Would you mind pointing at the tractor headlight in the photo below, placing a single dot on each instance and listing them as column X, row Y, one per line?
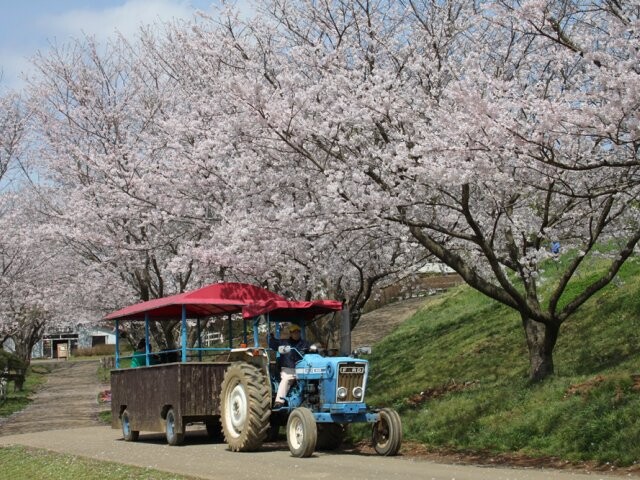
column 357, row 392
column 342, row 393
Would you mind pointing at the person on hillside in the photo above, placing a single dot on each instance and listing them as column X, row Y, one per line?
column 288, row 360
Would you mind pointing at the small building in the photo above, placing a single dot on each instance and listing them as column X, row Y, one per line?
column 93, row 336
column 61, row 343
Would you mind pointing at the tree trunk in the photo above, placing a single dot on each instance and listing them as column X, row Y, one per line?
column 541, row 340
column 23, row 352
column 23, row 347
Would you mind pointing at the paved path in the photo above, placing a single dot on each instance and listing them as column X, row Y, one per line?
column 69, row 399
column 199, row 458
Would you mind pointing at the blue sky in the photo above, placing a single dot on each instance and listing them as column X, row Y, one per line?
column 27, row 26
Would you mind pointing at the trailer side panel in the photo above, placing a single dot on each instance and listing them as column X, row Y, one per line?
column 191, row 389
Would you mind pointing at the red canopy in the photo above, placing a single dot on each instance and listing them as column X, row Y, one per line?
column 214, row 299
column 284, row 309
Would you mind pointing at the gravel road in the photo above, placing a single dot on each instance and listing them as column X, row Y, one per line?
column 67, row 400
column 63, row 418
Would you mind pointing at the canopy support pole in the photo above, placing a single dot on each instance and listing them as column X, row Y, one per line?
column 183, row 334
column 230, row 332
column 199, row 340
column 244, row 331
column 277, row 329
column 256, row 333
column 345, row 332
column 146, row 339
column 117, row 343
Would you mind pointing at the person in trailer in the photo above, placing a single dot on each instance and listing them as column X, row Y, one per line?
column 139, row 358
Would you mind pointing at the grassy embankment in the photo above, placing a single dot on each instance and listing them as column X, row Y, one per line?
column 457, row 373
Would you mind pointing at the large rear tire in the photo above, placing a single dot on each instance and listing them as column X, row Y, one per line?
column 302, row 433
column 245, row 407
column 128, row 434
column 387, row 433
column 174, row 436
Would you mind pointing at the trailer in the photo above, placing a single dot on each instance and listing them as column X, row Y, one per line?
column 184, row 386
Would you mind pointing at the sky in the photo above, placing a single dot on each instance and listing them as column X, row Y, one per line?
column 27, row 26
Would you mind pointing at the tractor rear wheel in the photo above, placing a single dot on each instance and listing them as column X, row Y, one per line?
column 245, row 407
column 302, row 433
column 387, row 433
column 330, row 435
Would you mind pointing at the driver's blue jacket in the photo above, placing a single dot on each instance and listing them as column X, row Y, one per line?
column 289, row 359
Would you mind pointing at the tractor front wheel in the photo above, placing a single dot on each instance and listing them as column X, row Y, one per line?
column 387, row 433
column 245, row 407
column 302, row 433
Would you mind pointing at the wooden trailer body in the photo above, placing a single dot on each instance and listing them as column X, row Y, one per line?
column 192, row 390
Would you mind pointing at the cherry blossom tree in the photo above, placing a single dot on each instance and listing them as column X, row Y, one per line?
column 314, row 147
column 12, row 137
column 12, row 132
column 262, row 227
column 97, row 110
column 486, row 131
column 38, row 275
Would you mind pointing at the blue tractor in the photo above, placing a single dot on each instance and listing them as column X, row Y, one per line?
column 328, row 393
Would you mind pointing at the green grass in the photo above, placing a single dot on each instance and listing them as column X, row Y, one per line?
column 588, row 411
column 104, row 375
column 105, row 417
column 16, row 401
column 21, row 463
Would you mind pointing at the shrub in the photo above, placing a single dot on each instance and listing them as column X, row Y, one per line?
column 11, row 361
column 97, row 351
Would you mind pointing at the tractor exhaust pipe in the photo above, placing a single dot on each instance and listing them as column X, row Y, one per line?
column 345, row 332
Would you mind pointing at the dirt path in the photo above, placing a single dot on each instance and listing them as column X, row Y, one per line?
column 67, row 400
column 376, row 325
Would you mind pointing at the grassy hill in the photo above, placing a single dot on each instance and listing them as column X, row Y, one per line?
column 457, row 373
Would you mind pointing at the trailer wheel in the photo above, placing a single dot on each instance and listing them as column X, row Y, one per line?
column 302, row 433
column 330, row 436
column 245, row 407
column 174, row 437
column 387, row 433
column 128, row 434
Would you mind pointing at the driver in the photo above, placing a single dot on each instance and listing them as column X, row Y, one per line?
column 288, row 360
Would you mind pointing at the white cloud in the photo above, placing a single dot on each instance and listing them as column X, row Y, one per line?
column 125, row 19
